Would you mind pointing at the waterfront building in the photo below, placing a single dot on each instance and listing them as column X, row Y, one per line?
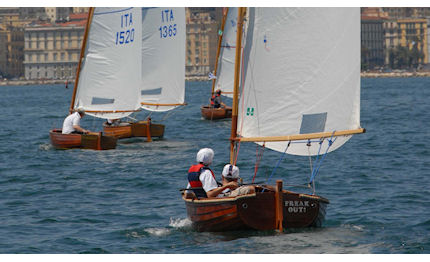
column 413, row 35
column 410, row 12
column 392, row 40
column 56, row 14
column 372, row 41
column 3, row 48
column 202, row 39
column 52, row 49
column 78, row 10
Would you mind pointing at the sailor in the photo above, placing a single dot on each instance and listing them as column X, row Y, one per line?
column 71, row 124
column 202, row 179
column 230, row 174
column 216, row 99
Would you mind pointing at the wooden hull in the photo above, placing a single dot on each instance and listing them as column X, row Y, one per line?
column 211, row 113
column 85, row 141
column 121, row 131
column 255, row 211
column 134, row 129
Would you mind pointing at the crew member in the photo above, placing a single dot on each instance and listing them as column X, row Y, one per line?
column 71, row 124
column 201, row 179
column 216, row 99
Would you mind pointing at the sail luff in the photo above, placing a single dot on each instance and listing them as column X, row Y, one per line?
column 235, row 105
column 224, row 18
column 81, row 56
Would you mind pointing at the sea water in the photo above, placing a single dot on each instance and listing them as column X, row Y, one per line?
column 127, row 200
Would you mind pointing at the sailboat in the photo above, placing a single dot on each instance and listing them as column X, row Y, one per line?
column 161, row 85
column 300, row 96
column 222, row 78
column 107, row 78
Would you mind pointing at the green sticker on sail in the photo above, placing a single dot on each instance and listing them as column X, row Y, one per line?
column 220, row 32
column 250, row 111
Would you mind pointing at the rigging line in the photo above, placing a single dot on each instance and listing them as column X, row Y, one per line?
column 309, row 152
column 168, row 114
column 279, row 161
column 259, row 156
column 317, row 158
column 316, row 170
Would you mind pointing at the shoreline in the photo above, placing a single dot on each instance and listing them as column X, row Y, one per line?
column 205, row 78
column 394, row 74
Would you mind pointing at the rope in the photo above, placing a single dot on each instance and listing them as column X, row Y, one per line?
column 279, row 161
column 317, row 167
column 258, row 159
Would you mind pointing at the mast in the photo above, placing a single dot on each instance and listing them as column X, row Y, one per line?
column 235, row 106
column 78, row 70
column 219, row 48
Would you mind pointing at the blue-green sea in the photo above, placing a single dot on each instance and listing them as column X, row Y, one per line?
column 127, row 200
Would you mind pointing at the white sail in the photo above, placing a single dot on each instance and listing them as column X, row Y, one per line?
column 225, row 70
column 163, row 58
column 110, row 70
column 302, row 75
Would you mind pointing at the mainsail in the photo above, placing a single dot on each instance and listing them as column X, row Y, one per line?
column 162, row 85
column 225, row 71
column 302, row 76
column 110, row 71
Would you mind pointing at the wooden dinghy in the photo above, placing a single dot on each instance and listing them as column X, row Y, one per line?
column 95, row 141
column 211, row 113
column 134, row 129
column 257, row 211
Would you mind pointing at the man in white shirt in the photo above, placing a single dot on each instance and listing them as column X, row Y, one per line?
column 202, row 178
column 71, row 124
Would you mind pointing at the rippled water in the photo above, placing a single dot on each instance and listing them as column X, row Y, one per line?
column 127, row 200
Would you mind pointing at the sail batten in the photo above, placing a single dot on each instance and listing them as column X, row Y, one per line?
column 301, row 76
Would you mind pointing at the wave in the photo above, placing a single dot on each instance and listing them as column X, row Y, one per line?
column 180, row 223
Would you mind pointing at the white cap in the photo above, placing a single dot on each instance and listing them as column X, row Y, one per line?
column 80, row 109
column 230, row 171
column 205, row 156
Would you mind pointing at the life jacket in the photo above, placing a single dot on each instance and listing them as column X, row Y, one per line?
column 213, row 99
column 194, row 179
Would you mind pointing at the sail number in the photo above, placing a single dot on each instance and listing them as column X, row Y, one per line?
column 126, row 35
column 167, row 27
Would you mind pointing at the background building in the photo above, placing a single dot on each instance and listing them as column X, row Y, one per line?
column 57, row 14
column 52, row 50
column 394, row 37
column 372, row 41
column 202, row 40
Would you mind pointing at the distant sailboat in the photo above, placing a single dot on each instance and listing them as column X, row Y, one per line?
column 300, row 96
column 161, row 69
column 107, row 79
column 222, row 78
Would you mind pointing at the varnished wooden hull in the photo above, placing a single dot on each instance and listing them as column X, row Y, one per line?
column 211, row 113
column 255, row 211
column 85, row 141
column 121, row 131
column 134, row 129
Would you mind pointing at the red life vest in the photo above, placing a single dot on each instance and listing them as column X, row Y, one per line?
column 213, row 99
column 194, row 179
